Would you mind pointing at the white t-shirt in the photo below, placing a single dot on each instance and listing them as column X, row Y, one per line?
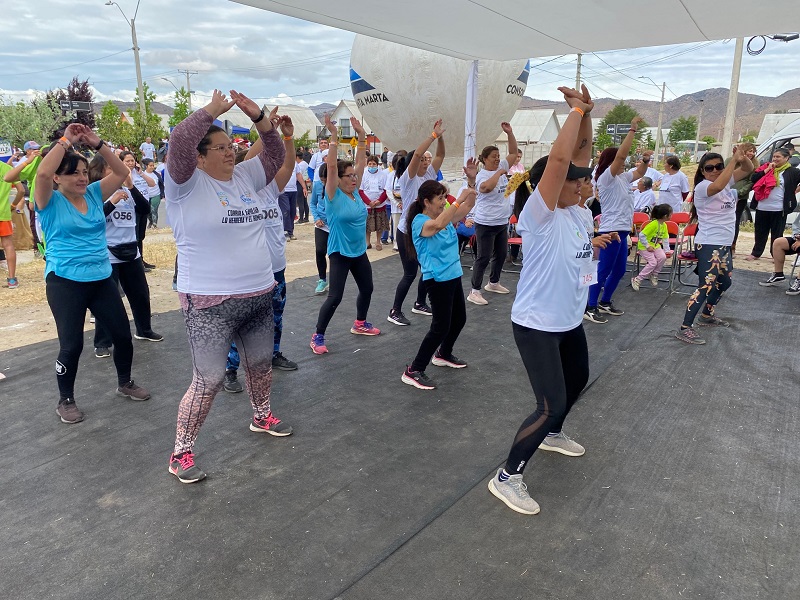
column 273, row 226
column 316, row 162
column 492, row 208
column 716, row 215
column 372, row 185
column 642, row 200
column 673, row 186
column 557, row 250
column 121, row 225
column 148, row 150
column 773, row 202
column 616, row 201
column 218, row 229
column 291, row 185
column 392, row 188
column 656, row 176
column 409, row 188
column 140, row 184
column 303, row 170
column 153, row 190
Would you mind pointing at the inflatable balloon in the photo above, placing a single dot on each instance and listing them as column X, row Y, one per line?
column 401, row 91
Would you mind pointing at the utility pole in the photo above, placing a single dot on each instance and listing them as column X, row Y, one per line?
column 132, row 23
column 733, row 97
column 697, row 135
column 188, row 85
column 578, row 74
column 660, row 121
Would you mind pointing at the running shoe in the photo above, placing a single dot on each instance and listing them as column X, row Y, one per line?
column 447, row 361
column 150, row 336
column 476, row 297
column 775, row 279
column 496, row 288
column 102, row 352
column 398, row 318
column 271, row 425
column 794, row 289
column 364, row 328
column 133, row 391
column 147, row 265
column 609, row 308
column 422, row 309
column 514, row 494
column 322, row 287
column 418, row 379
column 12, row 283
column 280, row 362
column 594, row 315
column 712, row 321
column 232, row 385
column 174, row 286
column 654, row 280
column 635, row 283
column 318, row 344
column 69, row 413
column 562, row 444
column 183, row 467
column 689, row 335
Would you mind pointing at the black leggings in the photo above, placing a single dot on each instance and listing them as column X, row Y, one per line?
column 302, row 205
column 770, row 224
column 492, row 244
column 410, row 269
column 69, row 301
column 340, row 267
column 130, row 276
column 714, row 267
column 321, row 252
column 449, row 318
column 558, row 368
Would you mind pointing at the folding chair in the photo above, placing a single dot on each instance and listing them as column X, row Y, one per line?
column 681, row 218
column 672, row 232
column 640, row 219
column 683, row 259
column 514, row 241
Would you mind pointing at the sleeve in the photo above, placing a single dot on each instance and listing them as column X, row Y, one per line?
column 271, row 156
column 605, row 179
column 535, row 216
column 482, row 176
column 141, row 204
column 182, row 157
column 665, row 240
column 646, row 233
column 28, row 173
column 684, row 184
column 701, row 192
column 504, row 165
column 417, row 224
column 108, row 208
column 626, row 176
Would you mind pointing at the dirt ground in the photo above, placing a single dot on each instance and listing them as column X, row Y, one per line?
column 25, row 317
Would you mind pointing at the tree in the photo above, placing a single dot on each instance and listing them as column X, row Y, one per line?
column 683, row 128
column 749, row 136
column 710, row 140
column 181, row 111
column 603, row 141
column 20, row 122
column 621, row 114
column 304, row 141
column 108, row 122
column 147, row 124
column 79, row 91
column 649, row 141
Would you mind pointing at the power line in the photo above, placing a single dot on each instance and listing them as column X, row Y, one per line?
column 288, row 95
column 86, row 62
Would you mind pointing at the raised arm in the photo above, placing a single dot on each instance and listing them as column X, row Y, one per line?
column 332, row 182
column 361, row 151
column 272, row 152
column 724, row 178
column 618, row 166
column 119, row 172
column 582, row 153
column 47, row 169
column 555, row 173
column 454, row 213
column 12, row 176
column 745, row 167
column 286, row 172
column 512, row 142
column 436, row 163
column 438, row 158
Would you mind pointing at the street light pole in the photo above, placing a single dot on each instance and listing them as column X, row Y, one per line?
column 660, row 116
column 697, row 135
column 132, row 23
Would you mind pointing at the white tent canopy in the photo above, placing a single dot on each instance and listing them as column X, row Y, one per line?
column 508, row 29
column 533, row 126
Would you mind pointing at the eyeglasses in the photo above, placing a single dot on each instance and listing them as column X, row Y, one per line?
column 351, row 175
column 222, row 148
column 712, row 168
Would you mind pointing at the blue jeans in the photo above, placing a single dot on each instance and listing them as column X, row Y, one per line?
column 613, row 259
column 278, row 304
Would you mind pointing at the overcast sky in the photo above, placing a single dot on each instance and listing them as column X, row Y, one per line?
column 44, row 43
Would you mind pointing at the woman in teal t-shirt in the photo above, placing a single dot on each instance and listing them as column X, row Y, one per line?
column 78, row 270
column 434, row 241
column 347, row 246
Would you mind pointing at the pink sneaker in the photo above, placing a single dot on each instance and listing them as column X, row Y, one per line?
column 318, row 344
column 364, row 328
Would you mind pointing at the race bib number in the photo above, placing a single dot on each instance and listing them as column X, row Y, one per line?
column 588, row 273
column 123, row 218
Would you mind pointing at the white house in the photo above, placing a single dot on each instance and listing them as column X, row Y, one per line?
column 303, row 118
column 343, row 112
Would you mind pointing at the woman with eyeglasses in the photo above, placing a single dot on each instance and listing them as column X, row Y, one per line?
column 347, row 245
column 715, row 203
column 214, row 206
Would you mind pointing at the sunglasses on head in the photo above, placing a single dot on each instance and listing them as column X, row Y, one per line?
column 711, row 168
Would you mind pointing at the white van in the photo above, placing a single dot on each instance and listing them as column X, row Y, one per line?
column 788, row 135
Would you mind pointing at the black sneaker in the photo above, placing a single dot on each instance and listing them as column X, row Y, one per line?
column 775, row 279
column 102, row 352
column 422, row 309
column 69, row 412
column 593, row 315
column 147, row 265
column 231, row 384
column 398, row 318
column 271, row 425
column 150, row 336
column 447, row 361
column 794, row 289
column 418, row 379
column 183, row 467
column 280, row 362
column 133, row 391
column 609, row 308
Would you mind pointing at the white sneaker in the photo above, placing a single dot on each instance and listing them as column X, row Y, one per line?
column 496, row 288
column 562, row 444
column 476, row 298
column 654, row 280
column 514, row 494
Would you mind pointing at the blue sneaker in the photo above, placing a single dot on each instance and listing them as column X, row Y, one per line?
column 322, row 287
column 13, row 283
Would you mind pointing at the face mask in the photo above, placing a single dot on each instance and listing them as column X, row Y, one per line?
column 372, row 169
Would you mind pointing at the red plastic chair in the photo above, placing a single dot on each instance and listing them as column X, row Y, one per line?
column 683, row 258
column 681, row 218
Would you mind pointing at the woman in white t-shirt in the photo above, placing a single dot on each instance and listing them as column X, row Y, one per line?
column 771, row 212
column 372, row 183
column 674, row 185
column 392, row 187
column 412, row 171
column 715, row 203
column 213, row 207
column 492, row 210
column 616, row 206
column 551, row 296
column 143, row 182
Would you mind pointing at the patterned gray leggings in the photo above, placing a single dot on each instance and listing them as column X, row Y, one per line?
column 246, row 321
